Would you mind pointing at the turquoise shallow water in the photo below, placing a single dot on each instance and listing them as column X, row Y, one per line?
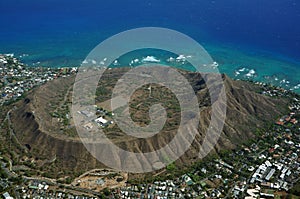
column 258, row 66
column 250, row 64
column 244, row 64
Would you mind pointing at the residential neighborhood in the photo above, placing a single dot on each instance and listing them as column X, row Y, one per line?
column 268, row 168
column 19, row 79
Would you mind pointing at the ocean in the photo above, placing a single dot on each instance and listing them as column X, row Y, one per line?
column 258, row 39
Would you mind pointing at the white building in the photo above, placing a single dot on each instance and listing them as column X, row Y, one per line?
column 101, row 120
column 7, row 196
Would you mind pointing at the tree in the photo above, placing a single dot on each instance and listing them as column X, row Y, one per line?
column 296, row 189
column 106, row 192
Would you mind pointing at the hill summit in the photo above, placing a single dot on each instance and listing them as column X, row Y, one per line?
column 43, row 124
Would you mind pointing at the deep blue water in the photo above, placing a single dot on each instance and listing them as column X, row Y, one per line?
column 236, row 33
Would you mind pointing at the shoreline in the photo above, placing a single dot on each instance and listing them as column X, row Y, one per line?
column 244, row 73
column 265, row 66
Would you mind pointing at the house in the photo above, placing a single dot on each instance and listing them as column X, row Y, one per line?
column 251, row 168
column 267, row 195
column 7, row 196
column 203, row 170
column 87, row 113
column 268, row 163
column 294, row 121
column 100, row 181
column 287, row 118
column 101, row 120
column 266, row 184
column 280, row 123
column 254, row 193
column 187, row 179
column 270, row 174
column 88, row 126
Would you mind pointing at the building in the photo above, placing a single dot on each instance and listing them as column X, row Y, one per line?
column 87, row 113
column 7, row 196
column 101, row 120
column 270, row 174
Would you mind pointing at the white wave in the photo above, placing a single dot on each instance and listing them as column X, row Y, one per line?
column 297, row 87
column 181, row 58
column 242, row 69
column 134, row 61
column 150, row 59
column 23, row 55
column 237, row 73
column 103, row 61
column 214, row 64
column 251, row 73
column 116, row 62
column 283, row 81
column 171, row 59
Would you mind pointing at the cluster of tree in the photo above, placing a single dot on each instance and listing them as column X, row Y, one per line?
column 3, row 174
column 296, row 189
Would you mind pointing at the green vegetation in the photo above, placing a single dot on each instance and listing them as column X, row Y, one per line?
column 296, row 189
column 171, row 167
column 3, row 174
